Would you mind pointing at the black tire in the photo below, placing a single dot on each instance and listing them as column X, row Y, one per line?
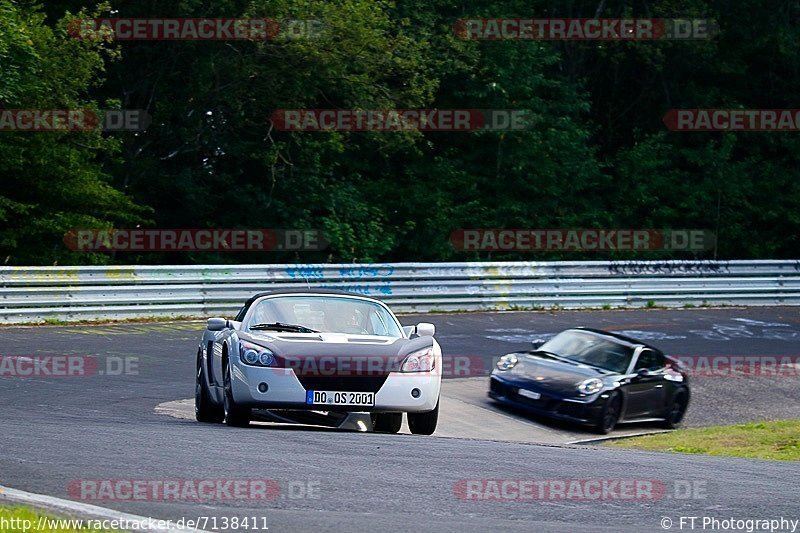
column 424, row 423
column 610, row 416
column 204, row 409
column 235, row 415
column 387, row 422
column 677, row 408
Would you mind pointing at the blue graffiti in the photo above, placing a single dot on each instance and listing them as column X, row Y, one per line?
column 366, row 290
column 367, row 272
column 305, row 272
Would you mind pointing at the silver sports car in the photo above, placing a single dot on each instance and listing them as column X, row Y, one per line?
column 319, row 350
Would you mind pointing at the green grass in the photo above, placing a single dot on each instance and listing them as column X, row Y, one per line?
column 25, row 519
column 779, row 440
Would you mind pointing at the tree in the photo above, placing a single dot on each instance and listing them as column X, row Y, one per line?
column 52, row 181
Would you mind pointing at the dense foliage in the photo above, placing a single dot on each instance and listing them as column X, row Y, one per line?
column 598, row 155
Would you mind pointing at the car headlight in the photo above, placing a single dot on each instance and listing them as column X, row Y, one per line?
column 419, row 361
column 678, row 378
column 507, row 362
column 590, row 386
column 252, row 354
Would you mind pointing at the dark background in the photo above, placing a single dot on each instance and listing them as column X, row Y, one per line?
column 598, row 154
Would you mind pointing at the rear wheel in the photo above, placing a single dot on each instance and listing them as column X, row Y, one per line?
column 204, row 408
column 424, row 423
column 677, row 409
column 387, row 422
column 610, row 415
column 235, row 415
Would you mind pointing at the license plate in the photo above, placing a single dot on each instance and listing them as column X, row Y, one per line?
column 529, row 394
column 319, row 397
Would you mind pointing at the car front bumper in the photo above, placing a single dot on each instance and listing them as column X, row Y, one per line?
column 286, row 391
column 579, row 410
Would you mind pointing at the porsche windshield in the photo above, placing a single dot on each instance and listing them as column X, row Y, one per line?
column 325, row 314
column 591, row 350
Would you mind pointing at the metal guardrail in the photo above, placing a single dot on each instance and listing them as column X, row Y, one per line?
column 31, row 294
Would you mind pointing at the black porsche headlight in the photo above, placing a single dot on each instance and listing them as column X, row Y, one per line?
column 590, row 386
column 254, row 355
column 507, row 362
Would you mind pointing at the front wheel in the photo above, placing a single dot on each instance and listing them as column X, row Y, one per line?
column 235, row 415
column 424, row 423
column 204, row 409
column 610, row 415
column 387, row 422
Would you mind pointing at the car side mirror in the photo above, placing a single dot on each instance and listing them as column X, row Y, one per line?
column 425, row 329
column 537, row 344
column 643, row 373
column 216, row 324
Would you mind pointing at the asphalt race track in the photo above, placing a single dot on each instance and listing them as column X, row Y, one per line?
column 59, row 430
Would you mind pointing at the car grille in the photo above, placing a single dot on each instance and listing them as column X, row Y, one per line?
column 346, row 384
column 545, row 402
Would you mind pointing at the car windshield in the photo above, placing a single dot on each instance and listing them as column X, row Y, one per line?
column 325, row 314
column 591, row 350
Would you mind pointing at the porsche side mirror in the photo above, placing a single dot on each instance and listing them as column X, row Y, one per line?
column 216, row 324
column 537, row 344
column 425, row 329
column 643, row 373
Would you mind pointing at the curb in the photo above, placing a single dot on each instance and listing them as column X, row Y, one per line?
column 59, row 506
column 595, row 440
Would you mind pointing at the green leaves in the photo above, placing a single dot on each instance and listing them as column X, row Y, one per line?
column 51, row 182
column 596, row 155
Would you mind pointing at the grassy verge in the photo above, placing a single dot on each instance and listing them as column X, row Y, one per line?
column 25, row 520
column 778, row 440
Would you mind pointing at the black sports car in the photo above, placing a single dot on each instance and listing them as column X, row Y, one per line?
column 595, row 378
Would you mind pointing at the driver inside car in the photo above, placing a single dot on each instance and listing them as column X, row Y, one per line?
column 348, row 323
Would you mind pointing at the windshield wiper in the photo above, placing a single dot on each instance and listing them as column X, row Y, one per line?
column 555, row 356
column 279, row 326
